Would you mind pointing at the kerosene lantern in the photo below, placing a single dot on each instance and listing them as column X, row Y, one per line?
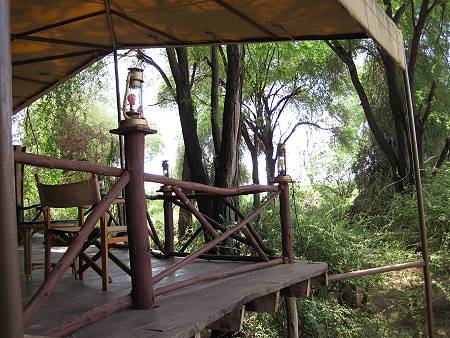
column 165, row 167
column 281, row 155
column 281, row 165
column 132, row 108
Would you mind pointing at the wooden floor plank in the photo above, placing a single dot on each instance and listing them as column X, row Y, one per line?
column 180, row 313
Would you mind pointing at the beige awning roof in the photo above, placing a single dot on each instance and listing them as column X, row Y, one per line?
column 54, row 40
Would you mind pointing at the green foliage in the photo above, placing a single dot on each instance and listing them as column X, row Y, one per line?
column 69, row 122
column 323, row 318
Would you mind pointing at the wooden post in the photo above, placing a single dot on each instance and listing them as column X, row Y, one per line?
column 10, row 293
column 292, row 317
column 288, row 252
column 285, row 217
column 168, row 223
column 18, row 176
column 420, row 207
column 136, row 215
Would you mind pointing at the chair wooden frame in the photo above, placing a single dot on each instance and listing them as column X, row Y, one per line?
column 80, row 194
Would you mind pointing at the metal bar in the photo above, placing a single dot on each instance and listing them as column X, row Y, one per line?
column 112, row 33
column 73, row 324
column 26, row 79
column 136, row 208
column 155, row 236
column 57, row 163
column 214, row 242
column 216, row 275
column 144, row 25
column 373, row 271
column 418, row 183
column 66, row 260
column 246, row 189
column 195, row 212
column 63, row 42
column 286, row 224
column 245, row 18
column 95, row 52
column 230, row 41
column 252, row 230
column 42, row 92
column 10, row 292
column 58, row 24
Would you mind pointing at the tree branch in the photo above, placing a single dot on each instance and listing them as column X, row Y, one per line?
column 397, row 16
column 149, row 60
column 385, row 147
column 426, row 110
column 194, row 70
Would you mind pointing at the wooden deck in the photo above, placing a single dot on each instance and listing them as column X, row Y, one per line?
column 180, row 313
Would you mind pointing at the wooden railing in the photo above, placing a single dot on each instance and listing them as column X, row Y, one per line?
column 174, row 195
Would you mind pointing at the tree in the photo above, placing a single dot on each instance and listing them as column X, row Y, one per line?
column 395, row 144
column 283, row 78
column 68, row 123
column 225, row 140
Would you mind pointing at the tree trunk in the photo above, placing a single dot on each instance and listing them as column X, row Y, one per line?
column 253, row 147
column 228, row 161
column 270, row 167
column 215, row 102
column 184, row 217
column 398, row 114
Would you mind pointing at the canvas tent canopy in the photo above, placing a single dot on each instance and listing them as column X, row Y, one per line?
column 52, row 41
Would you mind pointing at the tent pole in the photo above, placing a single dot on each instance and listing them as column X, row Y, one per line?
column 11, row 324
column 116, row 75
column 420, row 206
column 119, row 115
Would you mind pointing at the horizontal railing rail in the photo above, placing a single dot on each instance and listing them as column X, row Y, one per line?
column 73, row 165
column 198, row 187
column 374, row 271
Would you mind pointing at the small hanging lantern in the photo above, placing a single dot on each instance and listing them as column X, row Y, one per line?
column 101, row 184
column 281, row 155
column 165, row 166
column 133, row 100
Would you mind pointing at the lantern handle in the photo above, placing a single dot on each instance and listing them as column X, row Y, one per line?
column 124, row 106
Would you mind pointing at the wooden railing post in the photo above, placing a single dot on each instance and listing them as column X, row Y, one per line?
column 168, row 222
column 136, row 214
column 10, row 293
column 285, row 218
column 288, row 252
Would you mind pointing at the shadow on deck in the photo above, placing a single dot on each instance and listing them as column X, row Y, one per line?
column 180, row 313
